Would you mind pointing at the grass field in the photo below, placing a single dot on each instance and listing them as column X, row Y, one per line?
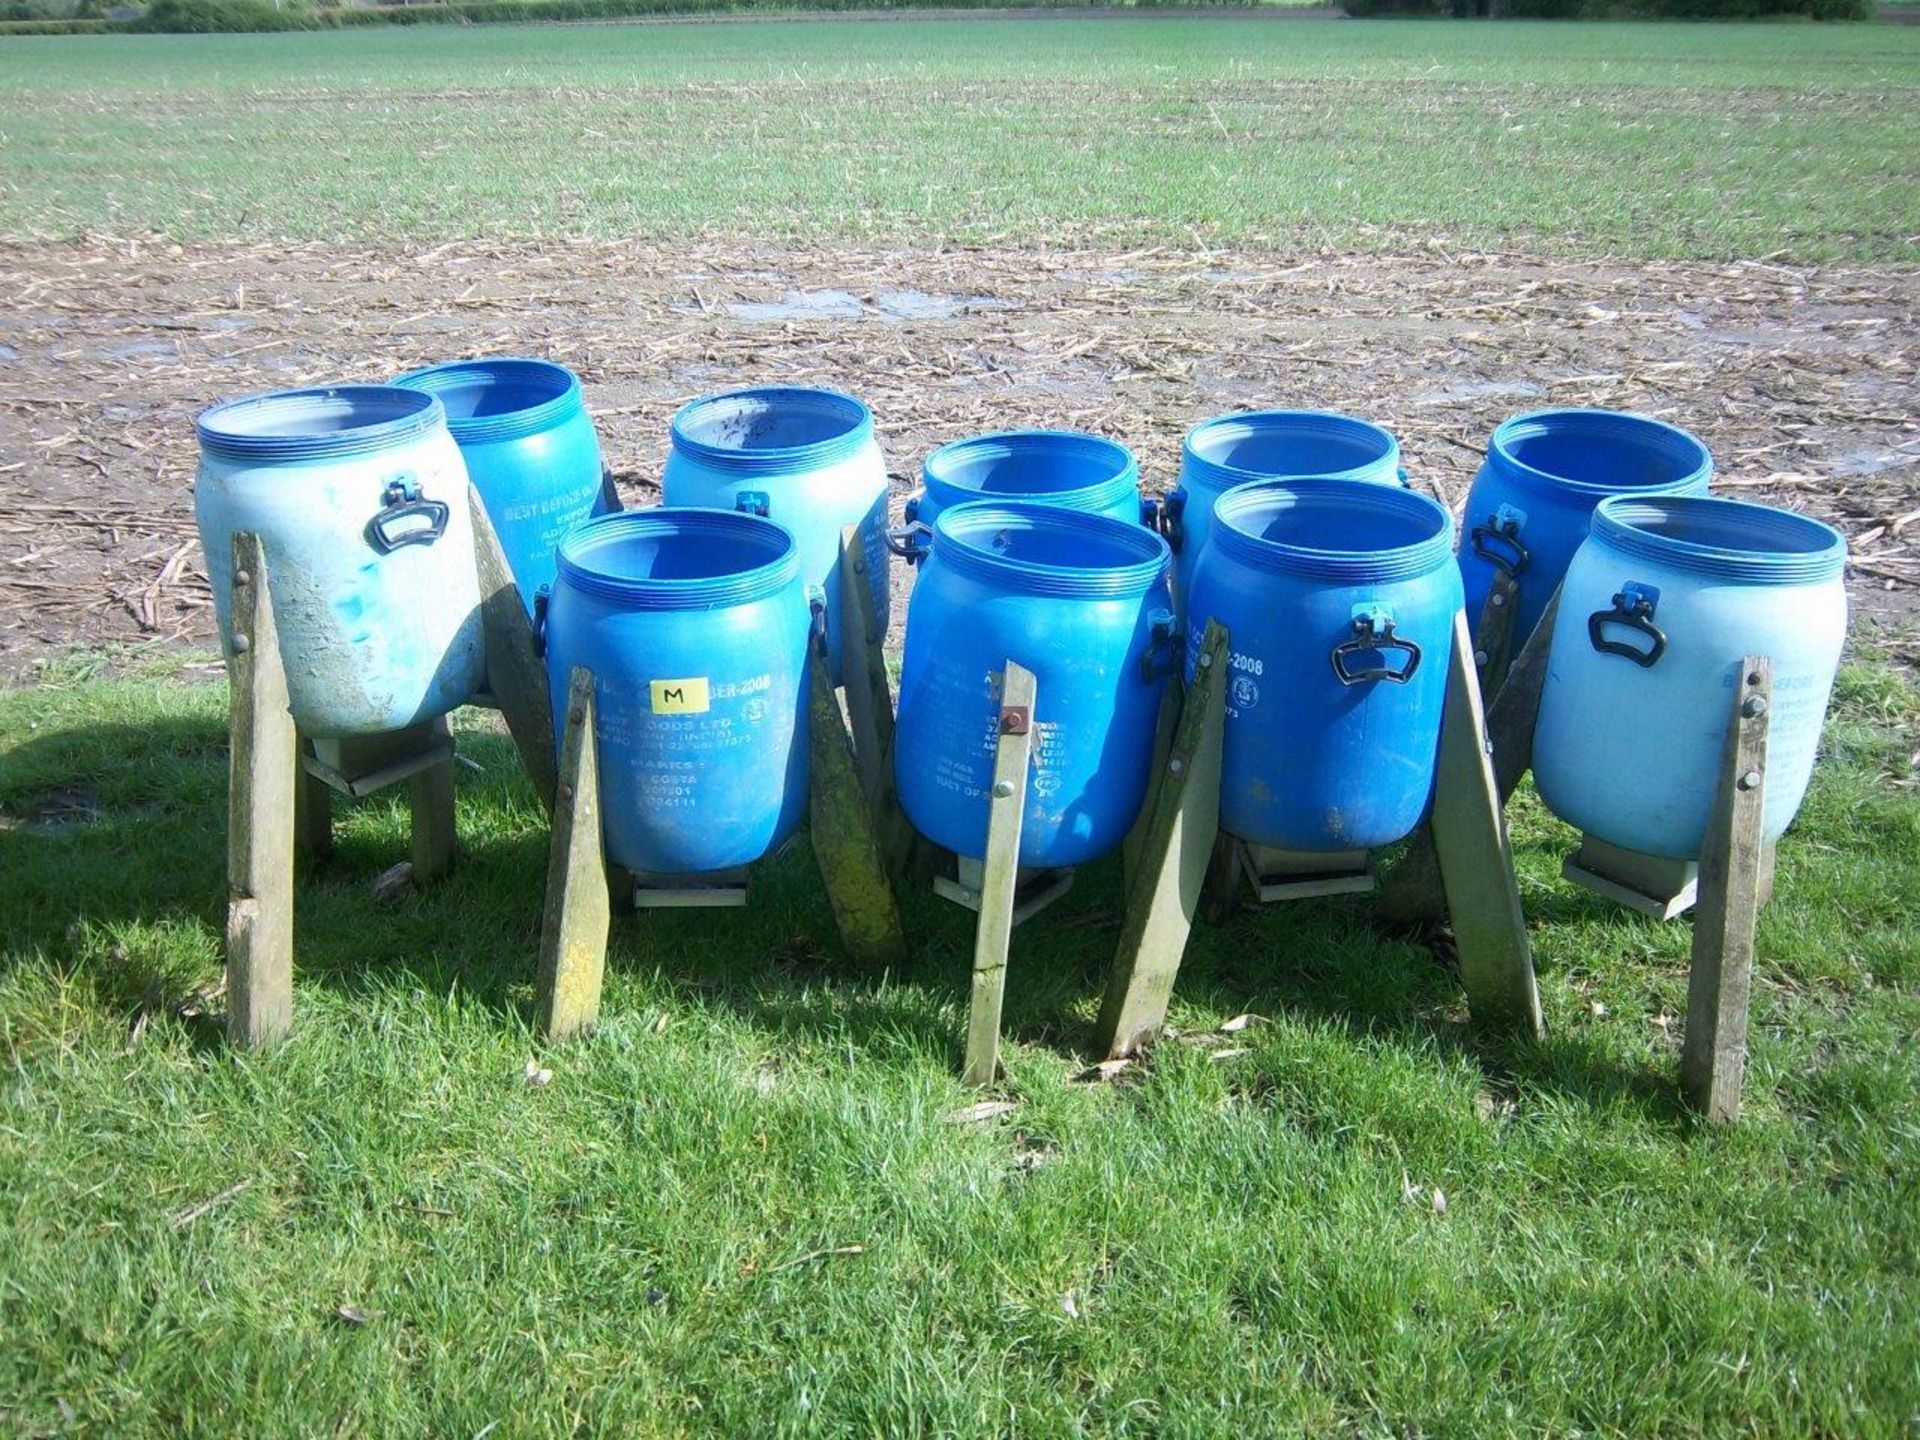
column 385, row 1229
column 1655, row 140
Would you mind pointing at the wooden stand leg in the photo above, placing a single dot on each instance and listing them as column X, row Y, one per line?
column 573, row 932
column 1168, row 720
column 430, row 795
column 1493, row 632
column 516, row 673
column 1007, row 809
column 863, row 667
column 1164, row 887
column 1713, row 1059
column 1413, row 893
column 312, row 813
column 1476, row 864
column 844, row 843
column 260, row 812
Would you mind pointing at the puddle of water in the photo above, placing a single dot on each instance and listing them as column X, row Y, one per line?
column 7, row 352
column 800, row 305
column 1481, row 390
column 1873, row 462
column 144, row 350
column 919, row 305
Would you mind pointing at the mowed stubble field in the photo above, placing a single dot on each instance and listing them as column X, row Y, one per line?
column 743, row 1207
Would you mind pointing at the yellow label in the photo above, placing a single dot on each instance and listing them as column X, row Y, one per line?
column 680, row 697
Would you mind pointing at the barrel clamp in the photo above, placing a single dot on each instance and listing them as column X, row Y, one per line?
column 1633, row 609
column 1173, row 505
column 1373, row 633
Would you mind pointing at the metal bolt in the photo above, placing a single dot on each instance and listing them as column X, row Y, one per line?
column 1176, row 766
column 566, row 792
column 1750, row 779
column 1002, row 789
column 1479, row 657
column 241, row 644
column 1496, row 600
column 1206, row 659
column 242, row 577
column 1754, row 706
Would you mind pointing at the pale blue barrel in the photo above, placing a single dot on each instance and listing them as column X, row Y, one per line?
column 1659, row 607
column 1232, row 450
column 1079, row 599
column 1532, row 499
column 531, row 452
column 1339, row 599
column 695, row 624
column 1068, row 468
column 806, row 458
column 359, row 496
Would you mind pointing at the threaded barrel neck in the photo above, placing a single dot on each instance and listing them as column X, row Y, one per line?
column 1035, row 549
column 1722, row 539
column 679, row 558
column 1343, row 530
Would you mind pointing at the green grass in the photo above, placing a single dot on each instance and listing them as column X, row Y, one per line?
column 1643, row 140
column 643, row 1246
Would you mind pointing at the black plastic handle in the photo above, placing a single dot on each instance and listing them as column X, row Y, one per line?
column 911, row 541
column 1635, row 612
column 1162, row 655
column 402, row 502
column 541, row 599
column 1367, row 638
column 1172, row 506
column 1497, row 532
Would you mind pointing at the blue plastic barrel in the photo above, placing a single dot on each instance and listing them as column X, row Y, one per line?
column 1232, row 450
column 1079, row 599
column 694, row 623
column 806, row 458
column 530, row 451
column 359, row 497
column 1045, row 467
column 1339, row 598
column 1660, row 606
column 1533, row 497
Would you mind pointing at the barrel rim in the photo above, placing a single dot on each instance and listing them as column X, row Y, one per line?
column 1124, row 481
column 1217, row 475
column 414, row 413
column 954, row 549
column 697, row 524
column 1433, row 552
column 1623, row 422
column 565, row 401
column 812, row 455
column 1618, row 522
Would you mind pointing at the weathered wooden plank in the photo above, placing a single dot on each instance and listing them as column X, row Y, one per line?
column 430, row 796
column 1713, row 1057
column 1476, row 863
column 1165, row 723
column 260, row 811
column 1493, row 632
column 312, row 812
column 1413, row 893
column 845, row 846
column 993, row 933
column 573, row 931
column 516, row 671
column 1164, row 889
column 863, row 668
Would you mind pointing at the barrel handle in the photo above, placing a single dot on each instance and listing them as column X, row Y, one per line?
column 1406, row 480
column 751, row 502
column 1502, row 528
column 1161, row 658
column 1173, row 505
column 1373, row 630
column 1150, row 513
column 1633, row 607
column 401, row 501
column 541, row 599
column 911, row 541
column 817, row 620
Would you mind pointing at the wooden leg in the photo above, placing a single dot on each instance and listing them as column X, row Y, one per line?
column 1476, row 864
column 863, row 666
column 610, row 503
column 1164, row 887
column 1413, row 893
column 844, row 843
column 1006, row 810
column 1493, row 632
column 1168, row 720
column 312, row 813
column 1713, row 1060
column 573, row 931
column 430, row 795
column 260, row 812
column 516, row 673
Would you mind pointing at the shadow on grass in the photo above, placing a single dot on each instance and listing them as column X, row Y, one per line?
column 114, row 828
